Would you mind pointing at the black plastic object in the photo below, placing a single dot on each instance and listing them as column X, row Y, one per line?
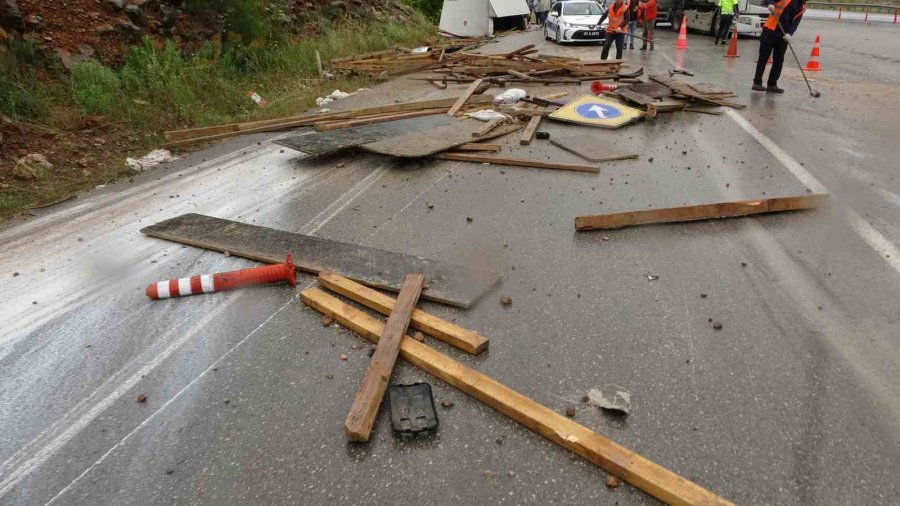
column 542, row 135
column 412, row 409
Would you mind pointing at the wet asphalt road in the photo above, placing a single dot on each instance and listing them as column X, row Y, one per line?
column 794, row 401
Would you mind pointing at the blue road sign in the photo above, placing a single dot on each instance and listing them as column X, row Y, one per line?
column 596, row 110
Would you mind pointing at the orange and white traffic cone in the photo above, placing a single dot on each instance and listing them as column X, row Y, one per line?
column 209, row 283
column 813, row 64
column 681, row 43
column 732, row 45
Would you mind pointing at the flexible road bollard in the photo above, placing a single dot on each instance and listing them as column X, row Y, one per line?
column 209, row 283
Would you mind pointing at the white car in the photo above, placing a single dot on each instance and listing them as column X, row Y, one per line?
column 575, row 21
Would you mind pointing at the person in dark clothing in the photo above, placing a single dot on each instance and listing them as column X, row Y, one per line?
column 784, row 18
column 615, row 29
column 631, row 24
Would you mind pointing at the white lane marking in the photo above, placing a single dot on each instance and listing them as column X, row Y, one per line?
column 875, row 239
column 40, row 456
column 168, row 402
column 43, row 454
column 341, row 203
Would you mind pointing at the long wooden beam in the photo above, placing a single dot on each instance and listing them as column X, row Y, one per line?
column 624, row 463
column 188, row 136
column 361, row 417
column 324, row 126
column 461, row 101
column 517, row 162
column 452, row 334
column 529, row 131
column 700, row 212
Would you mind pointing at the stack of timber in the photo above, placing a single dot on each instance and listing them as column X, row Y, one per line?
column 664, row 94
column 401, row 60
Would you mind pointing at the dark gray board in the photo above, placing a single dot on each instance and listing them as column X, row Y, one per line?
column 330, row 141
column 447, row 283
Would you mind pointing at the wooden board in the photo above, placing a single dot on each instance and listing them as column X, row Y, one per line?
column 686, row 90
column 461, row 101
column 452, row 334
column 322, row 143
column 652, row 90
column 529, row 131
column 479, row 146
column 448, row 283
column 590, row 148
column 620, row 461
column 434, row 140
column 361, row 418
column 517, row 162
column 488, row 126
column 634, row 96
column 699, row 212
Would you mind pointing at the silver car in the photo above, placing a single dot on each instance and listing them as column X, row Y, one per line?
column 575, row 21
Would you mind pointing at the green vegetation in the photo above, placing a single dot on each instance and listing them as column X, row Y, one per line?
column 431, row 8
column 158, row 87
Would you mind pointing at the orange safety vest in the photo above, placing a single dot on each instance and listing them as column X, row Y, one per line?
column 772, row 21
column 616, row 19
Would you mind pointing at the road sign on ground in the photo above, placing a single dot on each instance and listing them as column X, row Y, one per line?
column 597, row 111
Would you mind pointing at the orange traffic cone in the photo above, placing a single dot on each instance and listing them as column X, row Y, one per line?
column 732, row 46
column 681, row 43
column 813, row 64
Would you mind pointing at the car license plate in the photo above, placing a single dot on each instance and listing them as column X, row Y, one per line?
column 591, row 34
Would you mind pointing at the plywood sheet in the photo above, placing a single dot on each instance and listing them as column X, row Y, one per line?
column 448, row 283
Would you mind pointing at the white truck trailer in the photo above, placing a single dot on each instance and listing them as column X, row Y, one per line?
column 703, row 16
column 478, row 18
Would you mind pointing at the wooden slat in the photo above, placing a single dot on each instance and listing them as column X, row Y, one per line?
column 361, row 417
column 517, row 162
column 529, row 131
column 490, row 125
column 624, row 463
column 479, row 146
column 461, row 101
column 452, row 334
column 324, row 126
column 700, row 212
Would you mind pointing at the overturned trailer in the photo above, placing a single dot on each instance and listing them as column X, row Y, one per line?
column 478, row 18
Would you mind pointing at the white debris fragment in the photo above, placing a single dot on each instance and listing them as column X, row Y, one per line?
column 151, row 159
column 486, row 115
column 611, row 397
column 510, row 96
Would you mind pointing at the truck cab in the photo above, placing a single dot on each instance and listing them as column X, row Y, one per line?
column 703, row 16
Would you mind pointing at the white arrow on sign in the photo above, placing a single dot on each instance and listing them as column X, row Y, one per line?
column 599, row 111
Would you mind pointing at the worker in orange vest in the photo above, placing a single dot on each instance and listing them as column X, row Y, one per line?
column 615, row 29
column 649, row 20
column 784, row 18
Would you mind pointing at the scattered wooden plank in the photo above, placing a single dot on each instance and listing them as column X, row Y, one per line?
column 684, row 89
column 447, row 283
column 529, row 131
column 517, row 162
column 177, row 138
column 479, row 146
column 637, row 470
column 700, row 212
column 461, row 101
column 587, row 147
column 452, row 334
column 361, row 418
column 324, row 126
column 655, row 108
column 488, row 126
column 634, row 96
column 441, row 85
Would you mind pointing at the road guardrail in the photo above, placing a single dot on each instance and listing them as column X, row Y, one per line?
column 854, row 6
